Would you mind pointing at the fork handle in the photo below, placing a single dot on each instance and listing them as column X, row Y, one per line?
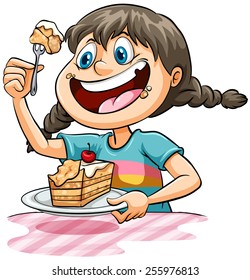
column 33, row 89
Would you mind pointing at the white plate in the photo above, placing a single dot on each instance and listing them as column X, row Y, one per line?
column 40, row 199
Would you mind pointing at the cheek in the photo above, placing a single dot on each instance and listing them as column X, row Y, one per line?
column 71, row 106
column 62, row 82
column 160, row 83
column 63, row 90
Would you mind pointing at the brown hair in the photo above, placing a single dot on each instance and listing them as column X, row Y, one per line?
column 166, row 41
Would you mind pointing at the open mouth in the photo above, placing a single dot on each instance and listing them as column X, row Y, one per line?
column 112, row 94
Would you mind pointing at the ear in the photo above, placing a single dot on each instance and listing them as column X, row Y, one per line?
column 176, row 76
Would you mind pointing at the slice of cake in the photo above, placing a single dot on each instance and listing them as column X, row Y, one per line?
column 47, row 34
column 77, row 182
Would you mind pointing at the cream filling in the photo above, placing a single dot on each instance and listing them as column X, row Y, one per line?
column 91, row 168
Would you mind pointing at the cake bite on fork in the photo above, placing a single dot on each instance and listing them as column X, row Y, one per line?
column 45, row 37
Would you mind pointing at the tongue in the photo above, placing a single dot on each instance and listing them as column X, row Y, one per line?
column 117, row 103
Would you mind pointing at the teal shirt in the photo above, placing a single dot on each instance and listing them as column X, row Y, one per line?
column 138, row 164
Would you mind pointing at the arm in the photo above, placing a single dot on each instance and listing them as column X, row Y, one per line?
column 186, row 180
column 53, row 148
column 17, row 80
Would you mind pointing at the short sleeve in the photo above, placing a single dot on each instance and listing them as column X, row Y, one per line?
column 159, row 148
column 75, row 144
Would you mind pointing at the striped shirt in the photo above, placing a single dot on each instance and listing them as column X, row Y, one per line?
column 138, row 164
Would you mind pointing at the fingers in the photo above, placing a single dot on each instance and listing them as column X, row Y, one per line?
column 140, row 215
column 137, row 206
column 115, row 201
column 18, row 66
column 12, row 69
column 17, row 76
column 14, row 80
column 12, row 86
column 120, row 217
column 16, row 62
column 127, row 216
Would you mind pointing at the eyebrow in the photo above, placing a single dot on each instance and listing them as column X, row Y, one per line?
column 91, row 40
column 125, row 33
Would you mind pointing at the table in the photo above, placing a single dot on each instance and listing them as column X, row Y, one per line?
column 95, row 235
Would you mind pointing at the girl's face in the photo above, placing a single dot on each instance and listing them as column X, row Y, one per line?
column 113, row 87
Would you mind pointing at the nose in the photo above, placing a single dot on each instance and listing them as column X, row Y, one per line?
column 102, row 68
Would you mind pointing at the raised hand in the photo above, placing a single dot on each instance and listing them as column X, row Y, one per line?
column 17, row 77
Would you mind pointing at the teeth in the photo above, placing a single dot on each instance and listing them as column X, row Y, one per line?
column 115, row 81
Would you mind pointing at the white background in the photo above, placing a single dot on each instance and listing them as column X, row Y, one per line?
column 215, row 140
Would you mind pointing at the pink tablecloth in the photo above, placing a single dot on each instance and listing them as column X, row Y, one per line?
column 96, row 235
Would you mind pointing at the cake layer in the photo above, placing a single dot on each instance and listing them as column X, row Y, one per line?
column 67, row 185
column 67, row 197
column 72, row 184
column 80, row 191
column 96, row 180
column 71, row 203
column 80, row 197
column 66, row 192
column 97, row 186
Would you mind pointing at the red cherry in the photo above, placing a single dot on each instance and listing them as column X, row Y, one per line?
column 88, row 156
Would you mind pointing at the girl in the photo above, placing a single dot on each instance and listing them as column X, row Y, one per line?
column 129, row 63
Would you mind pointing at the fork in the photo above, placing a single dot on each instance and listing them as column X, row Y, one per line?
column 38, row 50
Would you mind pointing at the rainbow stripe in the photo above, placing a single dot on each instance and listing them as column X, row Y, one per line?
column 129, row 174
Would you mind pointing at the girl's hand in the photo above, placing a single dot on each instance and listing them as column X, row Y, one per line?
column 137, row 206
column 17, row 77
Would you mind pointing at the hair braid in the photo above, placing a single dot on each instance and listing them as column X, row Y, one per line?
column 56, row 120
column 197, row 95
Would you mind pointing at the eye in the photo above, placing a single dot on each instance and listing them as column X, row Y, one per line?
column 123, row 51
column 86, row 56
